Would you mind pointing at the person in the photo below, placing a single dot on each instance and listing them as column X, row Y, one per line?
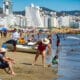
column 57, row 44
column 41, row 50
column 22, row 40
column 5, row 33
column 54, row 60
column 6, row 62
column 15, row 37
column 58, row 40
column 50, row 38
column 1, row 33
column 49, row 51
column 32, row 38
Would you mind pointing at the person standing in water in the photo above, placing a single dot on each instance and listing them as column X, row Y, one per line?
column 54, row 60
column 58, row 40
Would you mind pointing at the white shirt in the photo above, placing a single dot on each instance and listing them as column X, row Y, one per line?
column 15, row 36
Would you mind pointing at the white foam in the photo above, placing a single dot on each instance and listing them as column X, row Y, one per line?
column 72, row 37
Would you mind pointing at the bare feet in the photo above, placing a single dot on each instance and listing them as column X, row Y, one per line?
column 49, row 65
column 33, row 64
column 44, row 66
column 13, row 73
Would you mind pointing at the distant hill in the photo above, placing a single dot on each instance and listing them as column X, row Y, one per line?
column 60, row 13
column 75, row 12
column 19, row 12
column 23, row 12
column 47, row 9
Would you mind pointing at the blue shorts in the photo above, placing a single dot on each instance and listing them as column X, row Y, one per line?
column 4, row 65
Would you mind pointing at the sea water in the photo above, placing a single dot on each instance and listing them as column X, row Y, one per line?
column 69, row 58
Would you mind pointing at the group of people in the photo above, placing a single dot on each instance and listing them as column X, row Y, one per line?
column 43, row 47
column 3, row 33
column 17, row 37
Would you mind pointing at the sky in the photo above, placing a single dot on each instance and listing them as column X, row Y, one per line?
column 57, row 5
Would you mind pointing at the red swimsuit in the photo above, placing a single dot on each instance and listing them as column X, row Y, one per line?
column 41, row 47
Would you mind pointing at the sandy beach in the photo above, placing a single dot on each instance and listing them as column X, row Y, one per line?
column 24, row 70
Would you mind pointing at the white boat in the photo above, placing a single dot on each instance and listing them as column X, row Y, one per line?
column 29, row 47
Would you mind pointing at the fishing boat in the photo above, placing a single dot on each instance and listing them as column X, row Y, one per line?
column 29, row 47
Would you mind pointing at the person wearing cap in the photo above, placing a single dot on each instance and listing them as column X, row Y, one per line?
column 6, row 62
column 41, row 50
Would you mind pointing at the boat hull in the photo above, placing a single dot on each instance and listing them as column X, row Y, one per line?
column 22, row 48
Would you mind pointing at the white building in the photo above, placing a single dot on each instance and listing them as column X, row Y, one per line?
column 33, row 16
column 20, row 21
column 75, row 24
column 7, row 7
column 64, row 21
column 45, row 19
column 39, row 17
column 48, row 19
column 54, row 22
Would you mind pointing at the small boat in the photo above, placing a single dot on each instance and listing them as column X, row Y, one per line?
column 29, row 47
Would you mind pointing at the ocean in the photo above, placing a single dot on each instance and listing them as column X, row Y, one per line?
column 69, row 58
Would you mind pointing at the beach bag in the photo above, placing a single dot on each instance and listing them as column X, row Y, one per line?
column 55, row 60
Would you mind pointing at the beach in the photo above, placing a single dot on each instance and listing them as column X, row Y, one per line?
column 24, row 70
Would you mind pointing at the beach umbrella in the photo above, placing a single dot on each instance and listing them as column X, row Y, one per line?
column 3, row 29
column 0, row 28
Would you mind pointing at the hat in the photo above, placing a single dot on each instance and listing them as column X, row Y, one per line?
column 45, row 41
column 3, row 49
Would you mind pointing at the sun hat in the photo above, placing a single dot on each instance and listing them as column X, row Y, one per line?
column 4, row 48
column 45, row 41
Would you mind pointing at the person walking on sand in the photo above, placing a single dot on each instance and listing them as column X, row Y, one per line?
column 6, row 62
column 15, row 37
column 42, row 45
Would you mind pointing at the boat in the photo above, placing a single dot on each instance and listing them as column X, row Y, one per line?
column 29, row 47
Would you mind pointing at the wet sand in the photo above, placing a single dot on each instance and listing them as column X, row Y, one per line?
column 24, row 70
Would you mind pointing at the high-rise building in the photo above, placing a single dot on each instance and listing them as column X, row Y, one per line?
column 33, row 16
column 7, row 7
